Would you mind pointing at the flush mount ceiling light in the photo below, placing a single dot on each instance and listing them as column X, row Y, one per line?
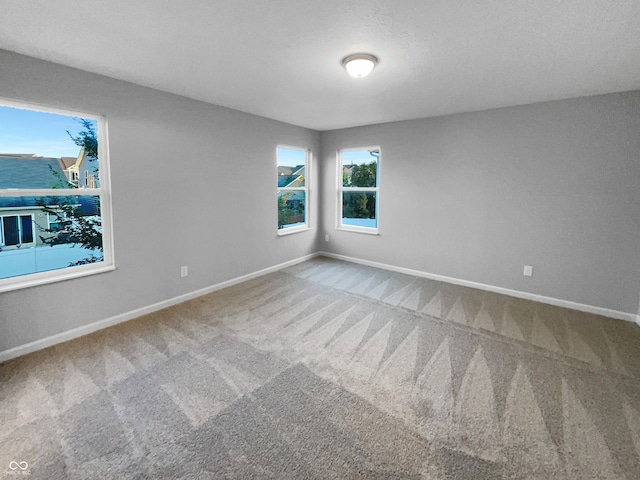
column 360, row 64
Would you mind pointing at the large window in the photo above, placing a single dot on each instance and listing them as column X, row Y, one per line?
column 358, row 189
column 54, row 196
column 293, row 189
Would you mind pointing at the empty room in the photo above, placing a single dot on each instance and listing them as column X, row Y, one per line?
column 320, row 240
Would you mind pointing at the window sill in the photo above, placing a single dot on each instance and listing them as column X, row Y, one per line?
column 288, row 231
column 53, row 276
column 366, row 231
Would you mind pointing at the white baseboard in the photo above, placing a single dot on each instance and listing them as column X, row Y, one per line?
column 490, row 288
column 124, row 317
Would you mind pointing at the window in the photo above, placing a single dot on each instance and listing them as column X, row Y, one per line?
column 358, row 189
column 16, row 230
column 293, row 189
column 57, row 221
column 50, row 227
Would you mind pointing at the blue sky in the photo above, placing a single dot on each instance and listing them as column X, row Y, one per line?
column 289, row 157
column 351, row 157
column 44, row 134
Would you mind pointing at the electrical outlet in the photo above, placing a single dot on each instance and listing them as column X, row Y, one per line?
column 528, row 271
column 184, row 271
column 326, row 238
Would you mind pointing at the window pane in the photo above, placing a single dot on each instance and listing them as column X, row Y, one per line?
column 291, row 211
column 26, row 227
column 76, row 240
column 359, row 209
column 10, row 230
column 37, row 152
column 291, row 167
column 360, row 168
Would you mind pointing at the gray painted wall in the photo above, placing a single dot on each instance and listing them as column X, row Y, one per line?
column 477, row 196
column 472, row 196
column 193, row 184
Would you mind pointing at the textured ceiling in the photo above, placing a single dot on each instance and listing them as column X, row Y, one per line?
column 281, row 58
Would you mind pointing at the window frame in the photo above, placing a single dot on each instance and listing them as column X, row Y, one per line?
column 341, row 189
column 103, row 192
column 306, row 189
column 19, row 230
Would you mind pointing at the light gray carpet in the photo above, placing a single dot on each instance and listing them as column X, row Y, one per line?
column 332, row 370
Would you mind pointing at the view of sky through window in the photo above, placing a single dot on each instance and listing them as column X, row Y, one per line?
column 289, row 157
column 357, row 157
column 40, row 133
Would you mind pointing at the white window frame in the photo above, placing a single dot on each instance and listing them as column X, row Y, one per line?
column 103, row 192
column 305, row 189
column 341, row 189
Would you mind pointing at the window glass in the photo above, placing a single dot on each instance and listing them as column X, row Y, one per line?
column 292, row 189
column 291, row 208
column 26, row 228
column 359, row 209
column 358, row 189
column 48, row 220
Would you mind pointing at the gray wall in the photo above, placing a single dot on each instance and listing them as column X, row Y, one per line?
column 477, row 196
column 193, row 184
column 472, row 196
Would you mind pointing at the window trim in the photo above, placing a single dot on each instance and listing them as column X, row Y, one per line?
column 103, row 192
column 341, row 189
column 306, row 189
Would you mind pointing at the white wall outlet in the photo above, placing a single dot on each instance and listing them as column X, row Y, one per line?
column 528, row 271
column 326, row 238
column 184, row 271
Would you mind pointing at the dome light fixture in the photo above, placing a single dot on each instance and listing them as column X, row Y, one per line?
column 360, row 64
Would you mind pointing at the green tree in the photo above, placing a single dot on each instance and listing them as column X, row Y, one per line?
column 73, row 226
column 364, row 175
column 284, row 212
column 360, row 204
column 87, row 138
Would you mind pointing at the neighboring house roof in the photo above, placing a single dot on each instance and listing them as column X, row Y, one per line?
column 288, row 176
column 296, row 182
column 295, row 196
column 18, row 155
column 22, row 171
column 286, row 170
column 66, row 162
